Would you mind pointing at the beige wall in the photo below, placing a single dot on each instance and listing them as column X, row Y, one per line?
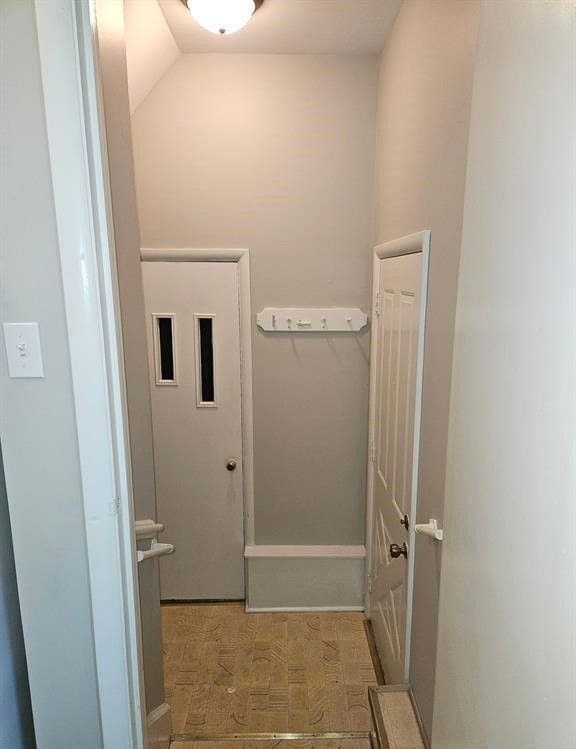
column 425, row 87
column 111, row 39
column 275, row 153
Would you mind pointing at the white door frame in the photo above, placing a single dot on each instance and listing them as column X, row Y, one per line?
column 242, row 257
column 408, row 245
column 68, row 48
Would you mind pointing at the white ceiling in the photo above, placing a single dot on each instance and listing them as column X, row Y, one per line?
column 292, row 26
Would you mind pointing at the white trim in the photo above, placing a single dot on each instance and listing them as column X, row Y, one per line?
column 247, row 398
column 78, row 159
column 157, row 350
column 159, row 723
column 408, row 245
column 303, row 609
column 195, row 255
column 242, row 257
column 305, row 552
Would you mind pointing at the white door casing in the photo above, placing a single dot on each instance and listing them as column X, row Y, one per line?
column 69, row 55
column 196, row 434
column 399, row 304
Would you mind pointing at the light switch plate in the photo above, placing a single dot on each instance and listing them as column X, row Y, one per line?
column 22, row 341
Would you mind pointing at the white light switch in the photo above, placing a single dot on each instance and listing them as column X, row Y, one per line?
column 22, row 340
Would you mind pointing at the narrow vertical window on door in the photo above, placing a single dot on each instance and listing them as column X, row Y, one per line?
column 165, row 348
column 205, row 364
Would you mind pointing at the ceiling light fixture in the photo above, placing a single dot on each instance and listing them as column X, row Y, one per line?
column 223, row 16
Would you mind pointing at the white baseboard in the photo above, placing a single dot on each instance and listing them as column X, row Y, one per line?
column 305, row 578
column 159, row 724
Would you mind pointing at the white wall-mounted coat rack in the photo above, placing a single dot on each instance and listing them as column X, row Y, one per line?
column 312, row 319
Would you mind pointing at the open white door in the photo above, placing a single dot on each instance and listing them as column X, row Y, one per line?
column 506, row 658
column 400, row 272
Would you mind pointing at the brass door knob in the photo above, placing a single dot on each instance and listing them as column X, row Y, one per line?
column 398, row 551
column 231, row 465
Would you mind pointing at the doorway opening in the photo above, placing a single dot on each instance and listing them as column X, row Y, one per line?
column 293, row 540
column 304, row 544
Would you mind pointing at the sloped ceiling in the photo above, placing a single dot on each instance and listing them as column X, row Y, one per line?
column 158, row 31
column 150, row 48
column 292, row 26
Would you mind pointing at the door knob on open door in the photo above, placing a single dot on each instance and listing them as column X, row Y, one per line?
column 398, row 551
column 231, row 465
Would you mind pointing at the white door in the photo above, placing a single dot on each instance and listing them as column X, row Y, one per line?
column 396, row 339
column 506, row 657
column 193, row 321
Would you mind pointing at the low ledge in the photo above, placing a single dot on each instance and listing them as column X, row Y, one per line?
column 304, row 552
column 282, row 578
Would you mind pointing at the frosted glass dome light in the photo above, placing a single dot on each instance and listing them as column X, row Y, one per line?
column 222, row 16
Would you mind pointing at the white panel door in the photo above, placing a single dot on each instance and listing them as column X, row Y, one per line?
column 193, row 321
column 396, row 355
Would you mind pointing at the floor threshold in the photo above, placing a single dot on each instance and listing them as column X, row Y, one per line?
column 352, row 735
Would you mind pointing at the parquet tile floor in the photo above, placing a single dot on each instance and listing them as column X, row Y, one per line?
column 231, row 672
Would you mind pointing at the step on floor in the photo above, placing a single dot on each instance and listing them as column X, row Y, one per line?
column 394, row 718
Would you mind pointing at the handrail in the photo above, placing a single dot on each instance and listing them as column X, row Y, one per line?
column 155, row 550
column 148, row 528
